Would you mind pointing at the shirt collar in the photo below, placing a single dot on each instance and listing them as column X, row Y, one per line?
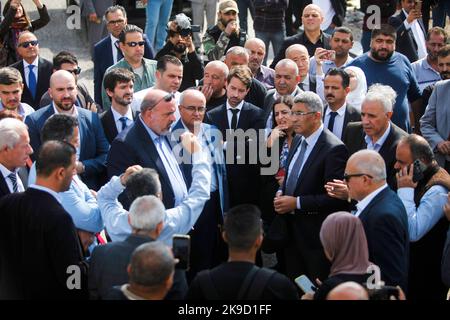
column 361, row 205
column 45, row 189
column 113, row 39
column 74, row 112
column 426, row 65
column 312, row 139
column 340, row 111
column 130, row 295
column 239, row 106
column 117, row 116
column 380, row 141
column 153, row 135
column 34, row 63
column 5, row 171
column 293, row 93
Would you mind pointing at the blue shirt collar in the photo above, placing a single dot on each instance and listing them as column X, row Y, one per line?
column 380, row 141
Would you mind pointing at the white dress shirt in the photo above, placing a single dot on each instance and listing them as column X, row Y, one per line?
column 230, row 114
column 361, row 205
column 5, row 172
column 117, row 116
column 338, row 126
column 418, row 34
column 26, row 70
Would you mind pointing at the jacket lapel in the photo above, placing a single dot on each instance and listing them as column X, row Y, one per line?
column 312, row 156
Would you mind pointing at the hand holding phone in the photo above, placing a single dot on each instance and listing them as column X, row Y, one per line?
column 305, row 284
column 181, row 250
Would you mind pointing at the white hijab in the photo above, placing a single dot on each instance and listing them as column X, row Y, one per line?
column 356, row 96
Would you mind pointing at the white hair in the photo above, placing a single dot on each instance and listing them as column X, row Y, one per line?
column 238, row 51
column 10, row 131
column 371, row 163
column 311, row 100
column 296, row 47
column 221, row 65
column 382, row 94
column 287, row 63
column 146, row 212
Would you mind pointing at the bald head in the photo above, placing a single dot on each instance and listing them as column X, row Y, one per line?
column 63, row 90
column 348, row 291
column 296, row 48
column 215, row 76
column 158, row 110
column 257, row 51
column 286, row 77
column 60, row 75
column 192, row 108
column 312, row 17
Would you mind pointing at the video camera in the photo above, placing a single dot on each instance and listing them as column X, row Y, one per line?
column 184, row 27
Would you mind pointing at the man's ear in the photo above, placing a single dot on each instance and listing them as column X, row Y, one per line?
column 109, row 92
column 224, row 237
column 389, row 114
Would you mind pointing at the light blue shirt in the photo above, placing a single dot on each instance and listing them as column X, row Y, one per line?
column 178, row 220
column 326, row 65
column 425, row 74
column 23, row 109
column 377, row 146
column 170, row 164
column 79, row 202
column 311, row 141
column 427, row 214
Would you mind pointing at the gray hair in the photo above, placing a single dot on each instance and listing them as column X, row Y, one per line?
column 238, row 51
column 10, row 131
column 372, row 164
column 287, row 63
column 221, row 65
column 296, row 47
column 311, row 100
column 146, row 213
column 152, row 264
column 382, row 94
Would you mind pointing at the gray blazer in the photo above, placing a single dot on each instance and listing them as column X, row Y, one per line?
column 435, row 123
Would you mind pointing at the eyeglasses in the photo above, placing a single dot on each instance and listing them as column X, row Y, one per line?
column 192, row 109
column 26, row 44
column 167, row 98
column 301, row 113
column 116, row 21
column 347, row 177
column 134, row 44
column 75, row 71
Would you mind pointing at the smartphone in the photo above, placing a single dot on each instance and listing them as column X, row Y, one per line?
column 305, row 284
column 331, row 55
column 418, row 5
column 181, row 250
column 418, row 169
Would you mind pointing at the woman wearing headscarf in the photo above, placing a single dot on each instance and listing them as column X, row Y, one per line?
column 358, row 87
column 16, row 20
column 345, row 245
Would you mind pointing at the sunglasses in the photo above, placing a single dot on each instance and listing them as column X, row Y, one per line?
column 26, row 44
column 347, row 177
column 75, row 71
column 167, row 98
column 134, row 44
column 116, row 21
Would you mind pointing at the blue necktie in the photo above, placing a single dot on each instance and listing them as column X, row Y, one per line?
column 333, row 115
column 32, row 81
column 124, row 122
column 291, row 182
column 13, row 178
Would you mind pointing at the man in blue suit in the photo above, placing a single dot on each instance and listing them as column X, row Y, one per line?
column 91, row 156
column 382, row 214
column 207, row 248
column 107, row 52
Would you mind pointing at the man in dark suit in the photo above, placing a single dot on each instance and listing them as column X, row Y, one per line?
column 119, row 87
column 93, row 147
column 13, row 155
column 382, row 214
column 36, row 71
column 39, row 247
column 337, row 113
column 316, row 157
column 311, row 37
column 376, row 131
column 299, row 54
column 107, row 52
column 145, row 143
column 243, row 177
column 411, row 32
column 207, row 249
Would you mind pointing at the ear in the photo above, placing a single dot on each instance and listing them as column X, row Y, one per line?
column 389, row 114
column 158, row 74
column 128, row 219
column 347, row 90
column 49, row 92
column 159, row 228
column 259, row 241
column 109, row 93
column 129, row 269
column 224, row 237
column 298, row 78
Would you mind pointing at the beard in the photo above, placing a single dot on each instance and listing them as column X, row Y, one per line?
column 445, row 75
column 179, row 48
column 63, row 105
column 376, row 56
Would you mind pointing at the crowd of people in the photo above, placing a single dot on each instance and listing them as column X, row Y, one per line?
column 333, row 165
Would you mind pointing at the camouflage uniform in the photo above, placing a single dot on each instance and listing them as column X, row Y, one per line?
column 216, row 42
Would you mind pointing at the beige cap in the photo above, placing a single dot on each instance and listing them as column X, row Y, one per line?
column 228, row 5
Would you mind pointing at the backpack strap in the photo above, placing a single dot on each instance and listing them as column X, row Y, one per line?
column 207, row 286
column 246, row 283
column 260, row 281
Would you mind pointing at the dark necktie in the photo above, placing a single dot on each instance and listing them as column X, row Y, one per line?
column 124, row 122
column 13, row 178
column 119, row 52
column 291, row 182
column 333, row 115
column 32, row 81
column 300, row 85
column 234, row 119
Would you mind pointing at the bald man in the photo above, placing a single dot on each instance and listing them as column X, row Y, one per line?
column 214, row 82
column 348, row 291
column 299, row 54
column 91, row 156
column 311, row 36
column 257, row 54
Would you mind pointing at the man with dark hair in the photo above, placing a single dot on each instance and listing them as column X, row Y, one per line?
column 385, row 66
column 11, row 89
column 180, row 44
column 239, row 278
column 107, row 51
column 131, row 43
column 119, row 85
column 337, row 114
column 39, row 247
column 236, row 114
column 67, row 61
column 423, row 189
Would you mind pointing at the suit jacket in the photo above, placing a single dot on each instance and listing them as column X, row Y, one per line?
column 45, row 70
column 4, row 190
column 386, row 225
column 103, row 59
column 353, row 138
column 93, row 144
column 108, row 268
column 405, row 43
column 38, row 243
column 109, row 125
column 435, row 123
column 351, row 115
column 325, row 162
column 242, row 178
column 138, row 146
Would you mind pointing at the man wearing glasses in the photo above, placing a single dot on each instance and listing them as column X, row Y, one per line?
column 35, row 70
column 383, row 216
column 67, row 61
column 316, row 157
column 107, row 51
column 132, row 43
